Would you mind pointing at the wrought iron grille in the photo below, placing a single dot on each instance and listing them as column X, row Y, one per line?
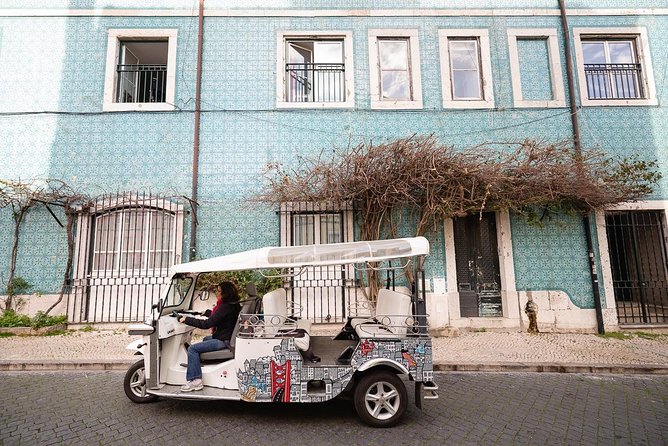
column 614, row 81
column 125, row 245
column 323, row 294
column 637, row 246
column 315, row 82
column 141, row 83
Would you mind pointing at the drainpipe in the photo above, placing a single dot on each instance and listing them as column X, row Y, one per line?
column 578, row 151
column 198, row 89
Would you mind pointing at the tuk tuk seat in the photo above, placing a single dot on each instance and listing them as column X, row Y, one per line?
column 275, row 304
column 228, row 353
column 392, row 310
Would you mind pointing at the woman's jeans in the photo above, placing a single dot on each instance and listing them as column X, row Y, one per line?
column 208, row 344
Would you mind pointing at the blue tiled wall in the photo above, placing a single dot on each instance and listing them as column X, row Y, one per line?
column 242, row 130
column 534, row 69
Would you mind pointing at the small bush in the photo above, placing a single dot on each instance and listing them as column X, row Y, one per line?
column 6, row 335
column 263, row 284
column 43, row 320
column 10, row 319
column 19, row 286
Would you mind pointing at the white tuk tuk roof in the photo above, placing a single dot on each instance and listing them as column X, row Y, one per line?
column 310, row 255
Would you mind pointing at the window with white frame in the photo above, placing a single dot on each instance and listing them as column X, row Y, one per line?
column 140, row 72
column 535, row 68
column 394, row 69
column 314, row 70
column 466, row 68
column 304, row 223
column 133, row 241
column 316, row 229
column 614, row 66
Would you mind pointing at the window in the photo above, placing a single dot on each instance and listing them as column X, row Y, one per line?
column 466, row 68
column 133, row 241
column 535, row 68
column 315, row 223
column 316, row 229
column 140, row 73
column 314, row 71
column 319, row 292
column 394, row 69
column 614, row 66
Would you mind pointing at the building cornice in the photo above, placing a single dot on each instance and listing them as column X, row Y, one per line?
column 329, row 12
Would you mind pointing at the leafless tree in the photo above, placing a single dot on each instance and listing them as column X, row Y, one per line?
column 423, row 181
column 22, row 196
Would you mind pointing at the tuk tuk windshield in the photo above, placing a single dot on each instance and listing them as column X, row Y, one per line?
column 178, row 290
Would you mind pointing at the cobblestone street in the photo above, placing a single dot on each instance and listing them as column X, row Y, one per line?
column 474, row 408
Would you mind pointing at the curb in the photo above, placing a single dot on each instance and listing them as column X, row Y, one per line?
column 63, row 365
column 507, row 367
column 604, row 369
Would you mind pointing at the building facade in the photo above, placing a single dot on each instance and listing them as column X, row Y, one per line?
column 101, row 95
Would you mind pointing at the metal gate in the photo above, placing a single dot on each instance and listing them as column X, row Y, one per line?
column 125, row 245
column 637, row 246
column 320, row 294
column 478, row 276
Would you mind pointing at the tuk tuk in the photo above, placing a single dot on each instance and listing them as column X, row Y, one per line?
column 277, row 356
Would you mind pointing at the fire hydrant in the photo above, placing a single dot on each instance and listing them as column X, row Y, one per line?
column 531, row 309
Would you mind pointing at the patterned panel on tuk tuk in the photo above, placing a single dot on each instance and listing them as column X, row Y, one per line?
column 414, row 354
column 284, row 377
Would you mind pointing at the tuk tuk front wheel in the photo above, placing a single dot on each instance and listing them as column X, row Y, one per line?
column 134, row 384
column 380, row 398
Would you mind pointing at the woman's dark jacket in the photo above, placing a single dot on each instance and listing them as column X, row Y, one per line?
column 222, row 320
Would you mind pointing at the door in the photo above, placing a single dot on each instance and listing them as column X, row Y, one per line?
column 477, row 260
column 637, row 246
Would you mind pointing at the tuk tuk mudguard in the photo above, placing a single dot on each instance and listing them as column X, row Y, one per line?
column 284, row 377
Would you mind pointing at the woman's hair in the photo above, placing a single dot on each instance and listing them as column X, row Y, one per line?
column 230, row 292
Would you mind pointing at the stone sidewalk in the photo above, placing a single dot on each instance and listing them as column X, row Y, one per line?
column 470, row 351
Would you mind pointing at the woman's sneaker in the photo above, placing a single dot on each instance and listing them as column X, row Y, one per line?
column 195, row 384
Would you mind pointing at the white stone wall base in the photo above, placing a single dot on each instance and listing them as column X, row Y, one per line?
column 557, row 313
column 30, row 304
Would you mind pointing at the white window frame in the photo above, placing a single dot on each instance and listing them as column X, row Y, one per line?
column 377, row 102
column 482, row 35
column 557, row 81
column 302, row 208
column 115, row 36
column 346, row 36
column 639, row 34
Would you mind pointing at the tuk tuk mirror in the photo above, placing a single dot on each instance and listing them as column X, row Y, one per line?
column 204, row 295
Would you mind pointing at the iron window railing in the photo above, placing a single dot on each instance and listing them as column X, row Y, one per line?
column 315, row 82
column 614, row 81
column 141, row 83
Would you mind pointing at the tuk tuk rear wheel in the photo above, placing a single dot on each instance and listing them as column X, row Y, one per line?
column 134, row 384
column 380, row 398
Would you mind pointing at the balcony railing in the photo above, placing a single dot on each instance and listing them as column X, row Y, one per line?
column 315, row 82
column 614, row 81
column 141, row 83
